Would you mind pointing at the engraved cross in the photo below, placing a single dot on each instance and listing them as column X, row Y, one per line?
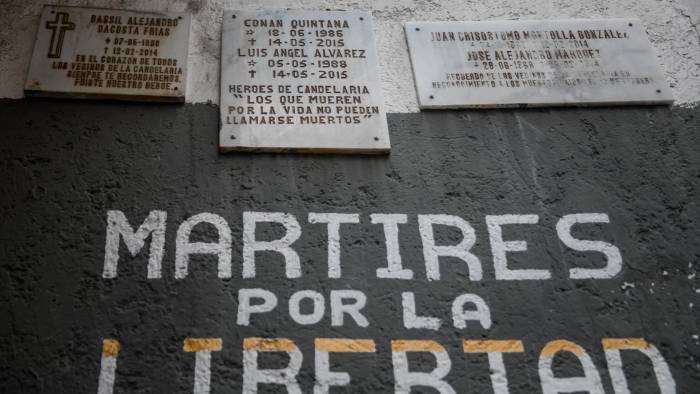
column 58, row 28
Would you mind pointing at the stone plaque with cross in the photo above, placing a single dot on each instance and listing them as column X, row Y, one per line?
column 104, row 53
column 534, row 63
column 301, row 81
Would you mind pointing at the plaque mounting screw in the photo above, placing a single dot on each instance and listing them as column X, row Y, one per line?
column 658, row 90
column 376, row 138
column 417, row 28
column 432, row 97
column 233, row 16
column 630, row 25
column 361, row 18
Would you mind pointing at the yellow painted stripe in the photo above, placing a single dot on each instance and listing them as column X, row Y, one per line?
column 269, row 344
column 414, row 345
column 110, row 348
column 559, row 345
column 493, row 346
column 200, row 344
column 624, row 343
column 336, row 345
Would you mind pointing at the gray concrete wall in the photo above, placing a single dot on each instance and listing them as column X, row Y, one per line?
column 64, row 164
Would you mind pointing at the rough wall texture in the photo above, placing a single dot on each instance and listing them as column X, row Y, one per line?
column 65, row 163
column 671, row 25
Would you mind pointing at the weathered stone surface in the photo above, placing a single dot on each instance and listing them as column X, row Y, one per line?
column 82, row 52
column 301, row 81
column 672, row 33
column 516, row 63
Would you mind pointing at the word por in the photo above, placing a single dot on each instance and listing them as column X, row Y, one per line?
column 351, row 302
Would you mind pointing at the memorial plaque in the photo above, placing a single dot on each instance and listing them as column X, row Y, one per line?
column 534, row 63
column 303, row 81
column 104, row 53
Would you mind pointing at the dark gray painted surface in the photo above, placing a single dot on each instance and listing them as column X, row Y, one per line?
column 63, row 164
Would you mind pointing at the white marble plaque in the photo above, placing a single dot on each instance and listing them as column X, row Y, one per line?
column 106, row 53
column 301, row 81
column 534, row 63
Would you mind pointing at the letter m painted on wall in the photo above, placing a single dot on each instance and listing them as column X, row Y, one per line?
column 118, row 228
